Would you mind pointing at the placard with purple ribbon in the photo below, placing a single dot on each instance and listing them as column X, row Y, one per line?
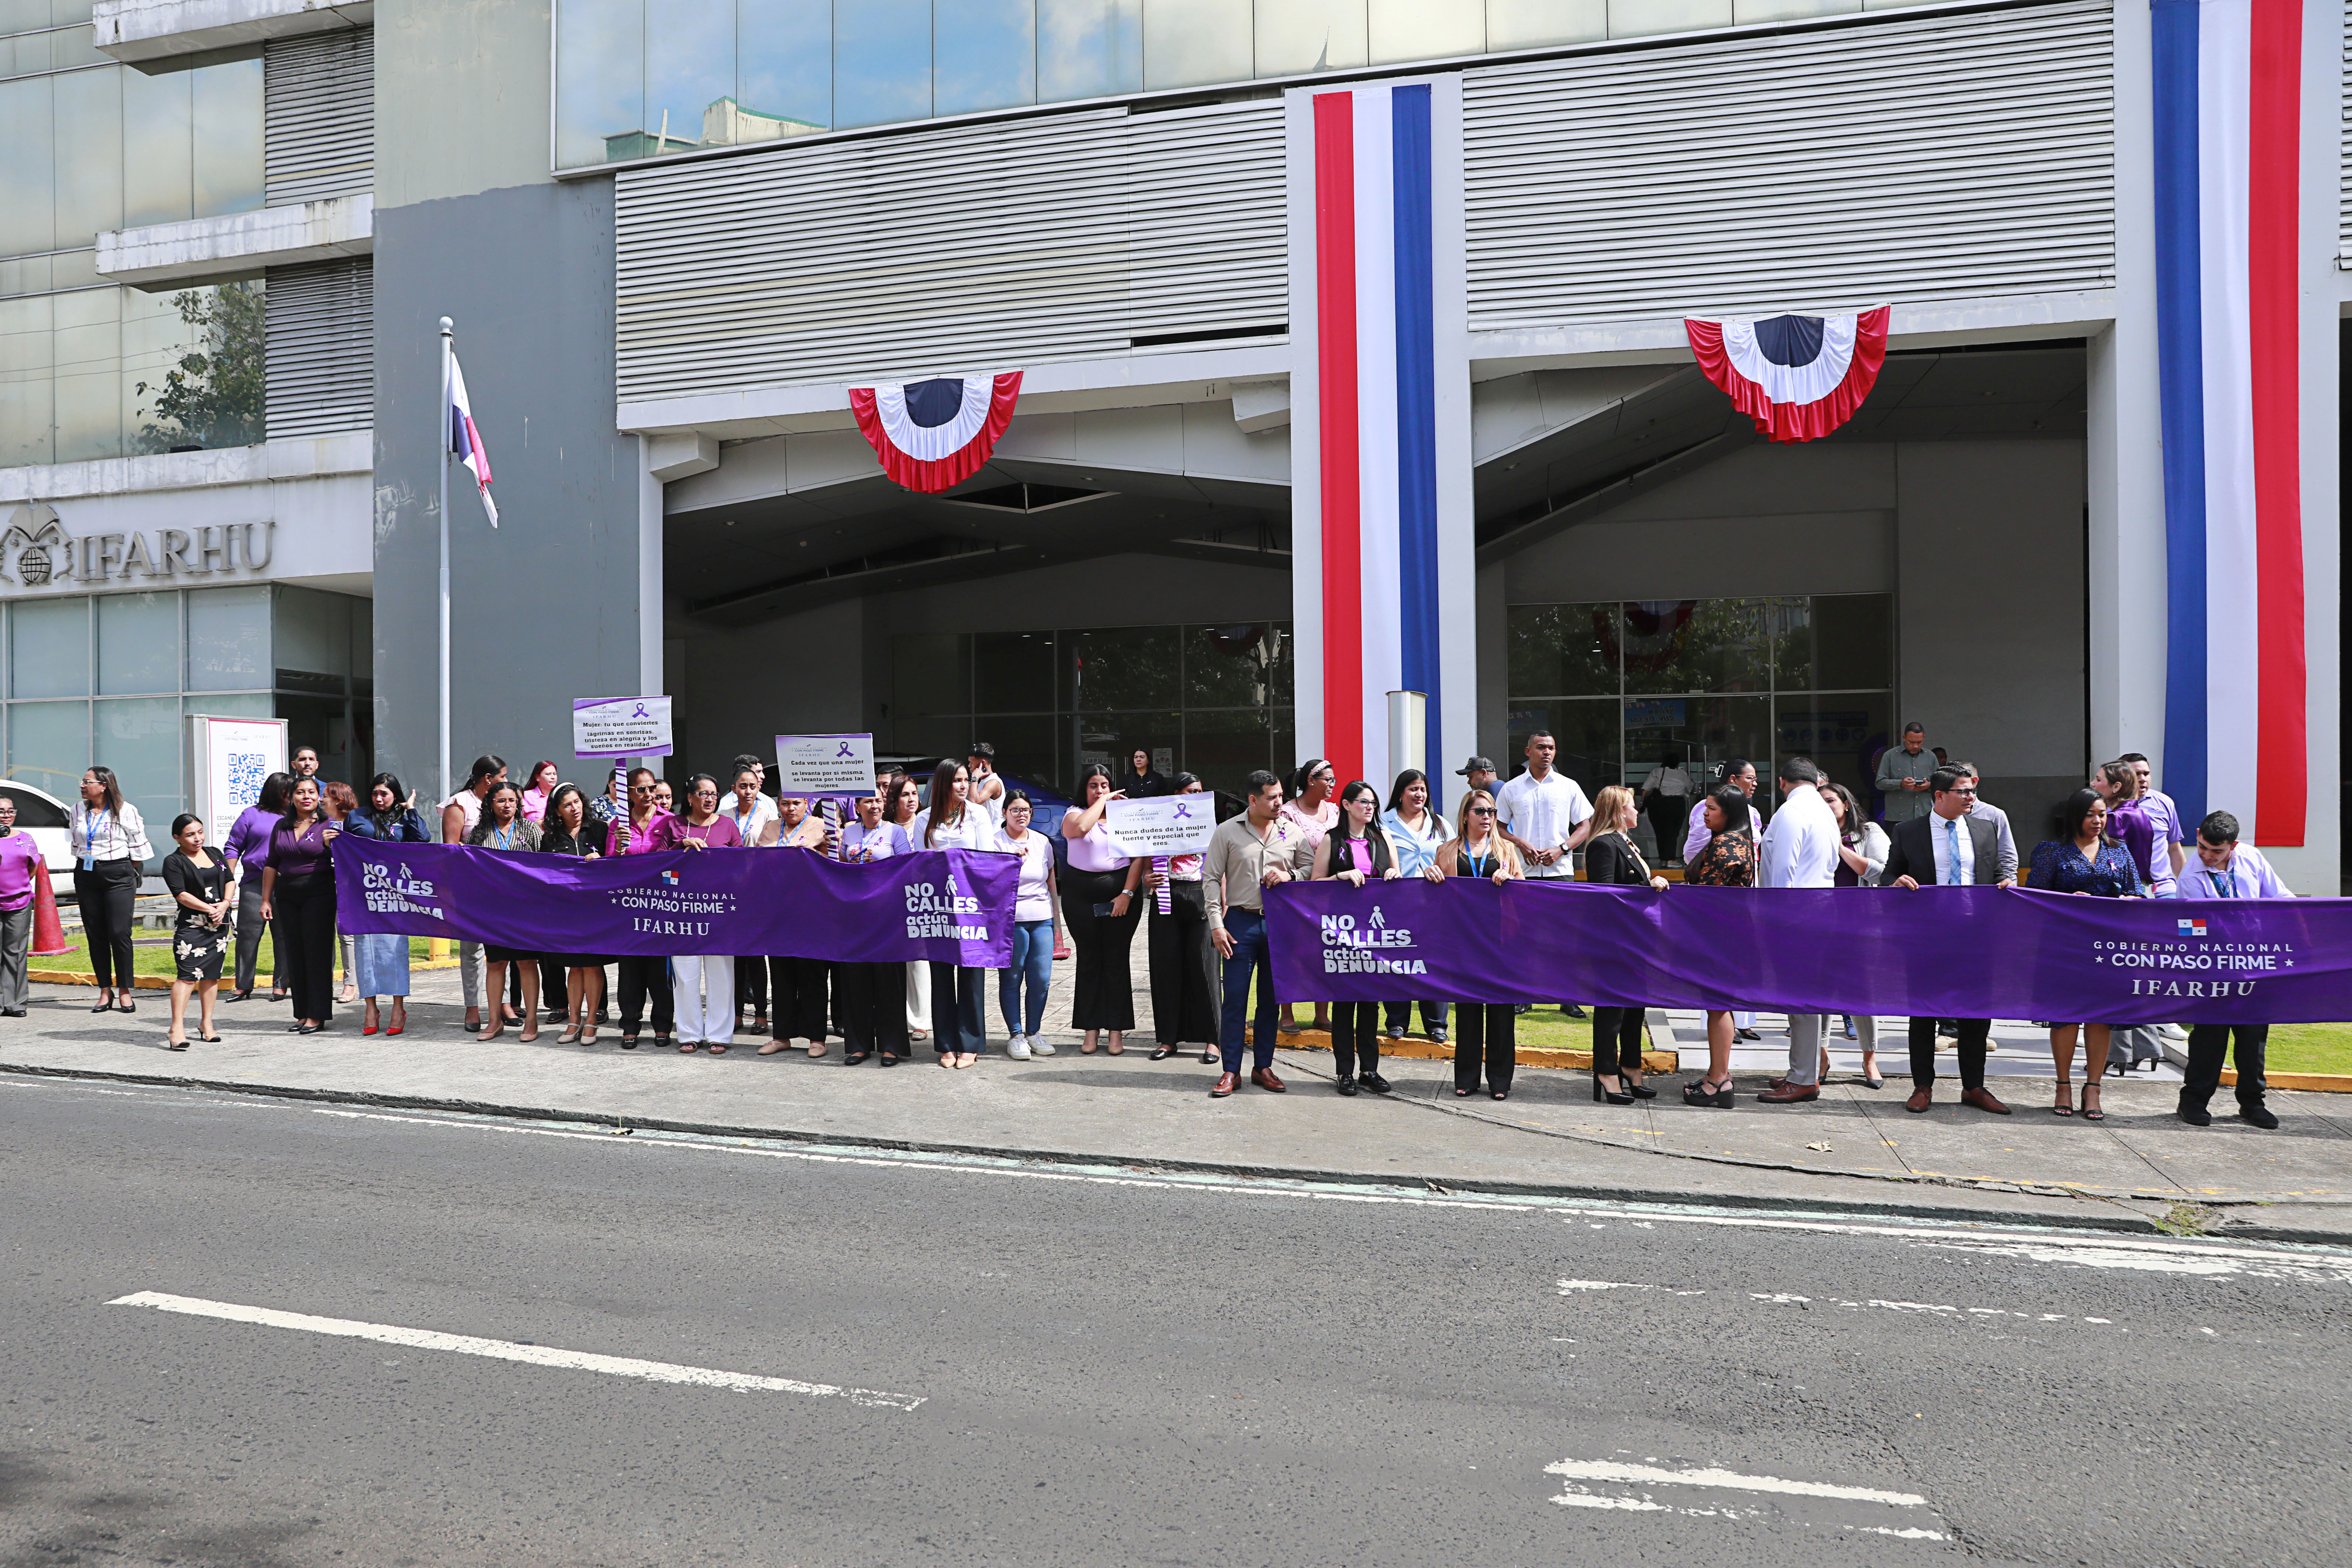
column 947, row 906
column 1162, row 824
column 1943, row 952
column 820, row 765
column 620, row 727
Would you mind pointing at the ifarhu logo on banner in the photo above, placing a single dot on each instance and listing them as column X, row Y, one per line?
column 1372, row 949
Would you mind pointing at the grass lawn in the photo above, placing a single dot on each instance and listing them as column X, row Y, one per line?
column 2310, row 1048
column 157, row 959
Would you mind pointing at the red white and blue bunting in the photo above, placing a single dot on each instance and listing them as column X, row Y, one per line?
column 932, row 435
column 1798, row 377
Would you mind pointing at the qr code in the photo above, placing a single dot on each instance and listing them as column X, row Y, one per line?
column 246, row 769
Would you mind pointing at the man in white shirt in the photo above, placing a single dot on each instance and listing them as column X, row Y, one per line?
column 1800, row 849
column 1545, row 813
column 2226, row 869
column 1666, row 800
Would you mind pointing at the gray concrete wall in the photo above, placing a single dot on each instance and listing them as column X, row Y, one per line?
column 464, row 91
column 545, row 607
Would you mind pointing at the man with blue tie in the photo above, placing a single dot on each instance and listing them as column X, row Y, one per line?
column 2224, row 868
column 1947, row 848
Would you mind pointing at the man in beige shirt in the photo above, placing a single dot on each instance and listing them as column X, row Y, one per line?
column 1246, row 855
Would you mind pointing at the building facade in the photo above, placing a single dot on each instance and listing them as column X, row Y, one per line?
column 673, row 235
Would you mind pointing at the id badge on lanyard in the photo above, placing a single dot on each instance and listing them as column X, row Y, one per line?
column 89, row 843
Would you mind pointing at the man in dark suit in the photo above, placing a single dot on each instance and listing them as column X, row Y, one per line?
column 1947, row 848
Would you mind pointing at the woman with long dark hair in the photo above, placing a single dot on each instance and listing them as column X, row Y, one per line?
column 1416, row 832
column 1611, row 857
column 504, row 827
column 298, row 898
column 110, row 851
column 1184, row 959
column 2086, row 860
column 246, row 849
column 902, row 800
column 638, row 832
column 380, row 961
column 338, row 800
column 1488, row 1043
column 1304, row 818
column 1727, row 859
column 959, row 997
column 1100, row 906
column 1035, row 924
column 1357, row 851
column 538, row 790
column 706, row 981
column 566, row 831
column 197, row 880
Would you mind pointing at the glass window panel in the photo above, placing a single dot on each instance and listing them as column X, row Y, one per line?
column 155, row 338
column 75, row 47
column 1285, row 668
column 313, row 634
column 1564, row 650
column 139, row 737
column 1297, row 35
column 690, row 71
column 27, row 173
column 23, row 15
column 89, row 395
column 1188, row 42
column 1592, row 750
column 985, row 55
column 1224, row 749
column 48, row 745
column 226, row 113
column 929, row 739
column 27, row 409
column 1633, row 18
column 1225, row 666
column 931, row 674
column 1528, row 24
column 1014, row 672
column 323, row 723
column 1426, row 29
column 1108, row 738
column 235, row 704
column 1852, row 643
column 1089, row 49
column 1127, row 667
column 156, row 156
column 1697, row 646
column 881, row 61
column 600, row 93
column 48, row 647
column 783, row 66
column 89, row 152
column 228, row 639
column 138, row 642
column 1843, row 733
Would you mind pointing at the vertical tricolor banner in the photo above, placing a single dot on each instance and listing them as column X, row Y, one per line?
column 1382, row 549
column 2228, row 173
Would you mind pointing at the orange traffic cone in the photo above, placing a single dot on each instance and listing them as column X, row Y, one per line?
column 49, row 931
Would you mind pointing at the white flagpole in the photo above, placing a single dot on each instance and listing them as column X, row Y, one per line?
column 441, row 420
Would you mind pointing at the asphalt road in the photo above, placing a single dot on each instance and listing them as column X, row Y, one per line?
column 1065, row 1368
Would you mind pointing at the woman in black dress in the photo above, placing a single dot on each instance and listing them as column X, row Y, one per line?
column 1610, row 857
column 197, row 880
column 567, row 830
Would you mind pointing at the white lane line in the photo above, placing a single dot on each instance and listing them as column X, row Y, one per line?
column 1657, row 1475
column 507, row 1350
column 1933, row 1309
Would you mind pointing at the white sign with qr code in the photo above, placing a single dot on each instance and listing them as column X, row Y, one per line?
column 233, row 756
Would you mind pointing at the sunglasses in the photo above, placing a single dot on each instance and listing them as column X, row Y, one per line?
column 1482, row 810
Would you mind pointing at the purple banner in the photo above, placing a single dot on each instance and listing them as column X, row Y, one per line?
column 950, row 906
column 1956, row 952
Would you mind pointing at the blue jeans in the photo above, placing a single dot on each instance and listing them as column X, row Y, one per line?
column 1033, row 960
column 1247, row 929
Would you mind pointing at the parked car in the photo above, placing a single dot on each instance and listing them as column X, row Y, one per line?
column 43, row 815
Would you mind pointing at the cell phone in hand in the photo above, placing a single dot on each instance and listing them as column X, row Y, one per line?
column 1107, row 911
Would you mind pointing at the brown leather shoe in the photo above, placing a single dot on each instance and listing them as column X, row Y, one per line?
column 1921, row 1098
column 1790, row 1094
column 1984, row 1101
column 1226, row 1083
column 1265, row 1079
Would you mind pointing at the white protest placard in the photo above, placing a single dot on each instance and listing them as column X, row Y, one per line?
column 1164, row 825
column 620, row 727
column 233, row 756
column 812, row 765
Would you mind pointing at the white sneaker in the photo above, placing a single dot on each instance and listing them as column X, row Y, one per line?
column 1039, row 1047
column 1019, row 1050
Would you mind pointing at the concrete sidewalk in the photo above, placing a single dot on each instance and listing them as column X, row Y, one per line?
column 1854, row 1149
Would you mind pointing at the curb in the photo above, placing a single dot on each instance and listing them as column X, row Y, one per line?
column 2315, row 1083
column 1420, row 1048
column 164, row 982
column 2122, row 1223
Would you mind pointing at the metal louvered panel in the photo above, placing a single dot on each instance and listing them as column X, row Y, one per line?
column 2344, row 150
column 1932, row 158
column 1059, row 237
column 319, row 116
column 321, row 322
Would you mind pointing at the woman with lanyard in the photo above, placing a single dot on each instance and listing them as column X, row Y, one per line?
column 1183, row 960
column 959, row 1006
column 1415, row 832
column 380, row 962
column 459, row 814
column 1304, row 818
column 1100, row 909
column 873, row 997
column 298, row 899
column 1488, row 1039
column 110, row 848
column 1611, row 857
column 754, row 816
column 706, row 981
column 1728, row 859
column 566, row 831
column 503, row 827
column 2084, row 859
column 197, row 880
column 246, row 849
column 1357, row 852
column 902, row 800
column 633, row 833
column 801, row 984
column 1035, row 925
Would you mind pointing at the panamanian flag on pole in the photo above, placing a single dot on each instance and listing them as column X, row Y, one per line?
column 2230, row 160
column 466, row 441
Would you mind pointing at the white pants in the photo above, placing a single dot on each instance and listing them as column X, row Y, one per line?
column 704, row 998
column 918, row 997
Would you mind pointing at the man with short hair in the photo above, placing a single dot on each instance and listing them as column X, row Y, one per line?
column 305, row 764
column 20, row 863
column 1800, row 849
column 1903, row 774
column 2226, row 869
column 987, row 787
column 1946, row 848
column 2163, row 812
column 1546, row 814
column 1984, row 811
column 1246, row 856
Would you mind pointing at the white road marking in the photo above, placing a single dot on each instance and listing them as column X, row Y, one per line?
column 508, row 1350
column 1572, row 1287
column 1708, row 1479
column 1934, row 1309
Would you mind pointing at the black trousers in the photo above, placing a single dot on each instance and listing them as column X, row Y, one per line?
column 552, row 994
column 800, row 995
column 105, row 896
column 1104, row 995
column 1670, row 819
column 1355, row 1037
column 640, row 975
column 752, row 984
column 1974, row 1032
column 1484, row 1038
column 1183, row 968
column 1617, row 1040
column 304, row 934
column 871, row 1003
column 250, row 928
column 2208, row 1044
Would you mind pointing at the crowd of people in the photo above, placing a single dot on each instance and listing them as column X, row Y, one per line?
column 1210, row 969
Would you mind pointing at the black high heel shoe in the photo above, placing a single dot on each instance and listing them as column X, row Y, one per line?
column 1709, row 1094
column 1611, row 1095
column 1639, row 1090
